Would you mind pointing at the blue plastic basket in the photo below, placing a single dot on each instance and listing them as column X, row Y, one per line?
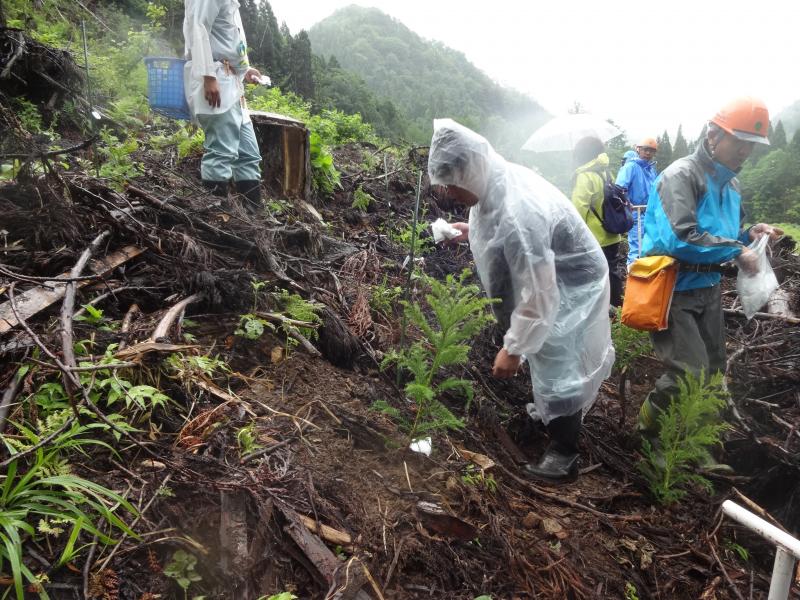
column 165, row 87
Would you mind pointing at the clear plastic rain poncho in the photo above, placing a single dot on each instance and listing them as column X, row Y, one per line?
column 533, row 250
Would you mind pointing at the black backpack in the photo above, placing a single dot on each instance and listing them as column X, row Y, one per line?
column 617, row 212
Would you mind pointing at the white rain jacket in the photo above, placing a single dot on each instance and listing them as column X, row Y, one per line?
column 533, row 250
column 213, row 33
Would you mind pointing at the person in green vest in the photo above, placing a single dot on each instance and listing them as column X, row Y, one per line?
column 590, row 156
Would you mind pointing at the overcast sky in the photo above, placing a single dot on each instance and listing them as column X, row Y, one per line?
column 650, row 66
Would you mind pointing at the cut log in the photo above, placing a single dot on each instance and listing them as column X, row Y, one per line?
column 286, row 150
column 37, row 299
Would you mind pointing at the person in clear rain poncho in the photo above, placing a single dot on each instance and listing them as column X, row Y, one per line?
column 534, row 252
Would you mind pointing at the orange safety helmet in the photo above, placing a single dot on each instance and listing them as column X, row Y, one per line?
column 648, row 142
column 745, row 118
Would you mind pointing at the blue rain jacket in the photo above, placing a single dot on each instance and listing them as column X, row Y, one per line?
column 695, row 214
column 637, row 177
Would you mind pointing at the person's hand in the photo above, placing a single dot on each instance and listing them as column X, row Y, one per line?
column 762, row 229
column 462, row 237
column 748, row 261
column 252, row 75
column 211, row 90
column 505, row 365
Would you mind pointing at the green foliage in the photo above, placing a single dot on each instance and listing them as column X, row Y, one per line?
column 281, row 596
column 384, row 297
column 33, row 495
column 771, row 188
column 29, row 116
column 790, row 229
column 476, row 477
column 252, row 327
column 95, row 317
column 186, row 138
column 687, row 430
column 458, row 312
column 361, row 199
column 732, row 546
column 422, row 245
column 629, row 343
column 295, row 307
column 631, row 593
column 181, row 568
column 325, row 177
column 247, row 439
column 184, row 366
column 118, row 166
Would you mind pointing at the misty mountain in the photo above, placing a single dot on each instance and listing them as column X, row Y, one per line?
column 425, row 79
column 790, row 117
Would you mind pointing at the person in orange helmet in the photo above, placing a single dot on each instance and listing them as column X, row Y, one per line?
column 637, row 176
column 695, row 215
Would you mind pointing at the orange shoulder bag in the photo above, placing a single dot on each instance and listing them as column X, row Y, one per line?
column 648, row 293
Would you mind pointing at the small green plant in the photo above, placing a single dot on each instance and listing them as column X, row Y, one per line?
column 299, row 309
column 281, row 596
column 421, row 245
column 277, row 206
column 361, row 199
column 247, row 439
column 324, row 175
column 252, row 327
column 732, row 546
column 687, row 429
column 629, row 344
column 181, row 568
column 256, row 286
column 184, row 366
column 631, row 593
column 458, row 312
column 384, row 297
column 95, row 317
column 28, row 114
column 475, row 477
column 118, row 166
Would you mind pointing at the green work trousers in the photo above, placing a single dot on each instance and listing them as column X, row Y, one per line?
column 231, row 147
column 694, row 341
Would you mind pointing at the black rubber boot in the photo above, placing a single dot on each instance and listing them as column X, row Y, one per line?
column 251, row 191
column 217, row 188
column 560, row 460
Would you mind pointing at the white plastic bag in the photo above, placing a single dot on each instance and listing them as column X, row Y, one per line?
column 755, row 289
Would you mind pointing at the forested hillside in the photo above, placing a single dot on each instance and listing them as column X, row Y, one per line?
column 425, row 79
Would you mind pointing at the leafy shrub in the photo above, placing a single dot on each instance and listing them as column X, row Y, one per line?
column 688, row 428
column 458, row 313
column 629, row 344
column 34, row 495
column 361, row 199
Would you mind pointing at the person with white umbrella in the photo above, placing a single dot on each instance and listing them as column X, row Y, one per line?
column 533, row 251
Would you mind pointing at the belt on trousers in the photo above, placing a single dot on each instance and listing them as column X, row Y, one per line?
column 726, row 269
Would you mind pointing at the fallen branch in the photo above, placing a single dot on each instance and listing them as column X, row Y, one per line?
column 67, row 308
column 172, row 314
column 51, row 153
column 763, row 316
column 37, row 299
column 8, row 397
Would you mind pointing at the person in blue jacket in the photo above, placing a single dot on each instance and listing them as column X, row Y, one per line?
column 629, row 154
column 695, row 215
column 636, row 175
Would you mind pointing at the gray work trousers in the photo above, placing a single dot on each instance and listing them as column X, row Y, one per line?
column 694, row 341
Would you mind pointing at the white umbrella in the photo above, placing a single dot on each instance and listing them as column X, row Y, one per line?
column 562, row 133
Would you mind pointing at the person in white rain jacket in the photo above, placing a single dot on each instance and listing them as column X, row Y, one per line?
column 214, row 76
column 533, row 251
